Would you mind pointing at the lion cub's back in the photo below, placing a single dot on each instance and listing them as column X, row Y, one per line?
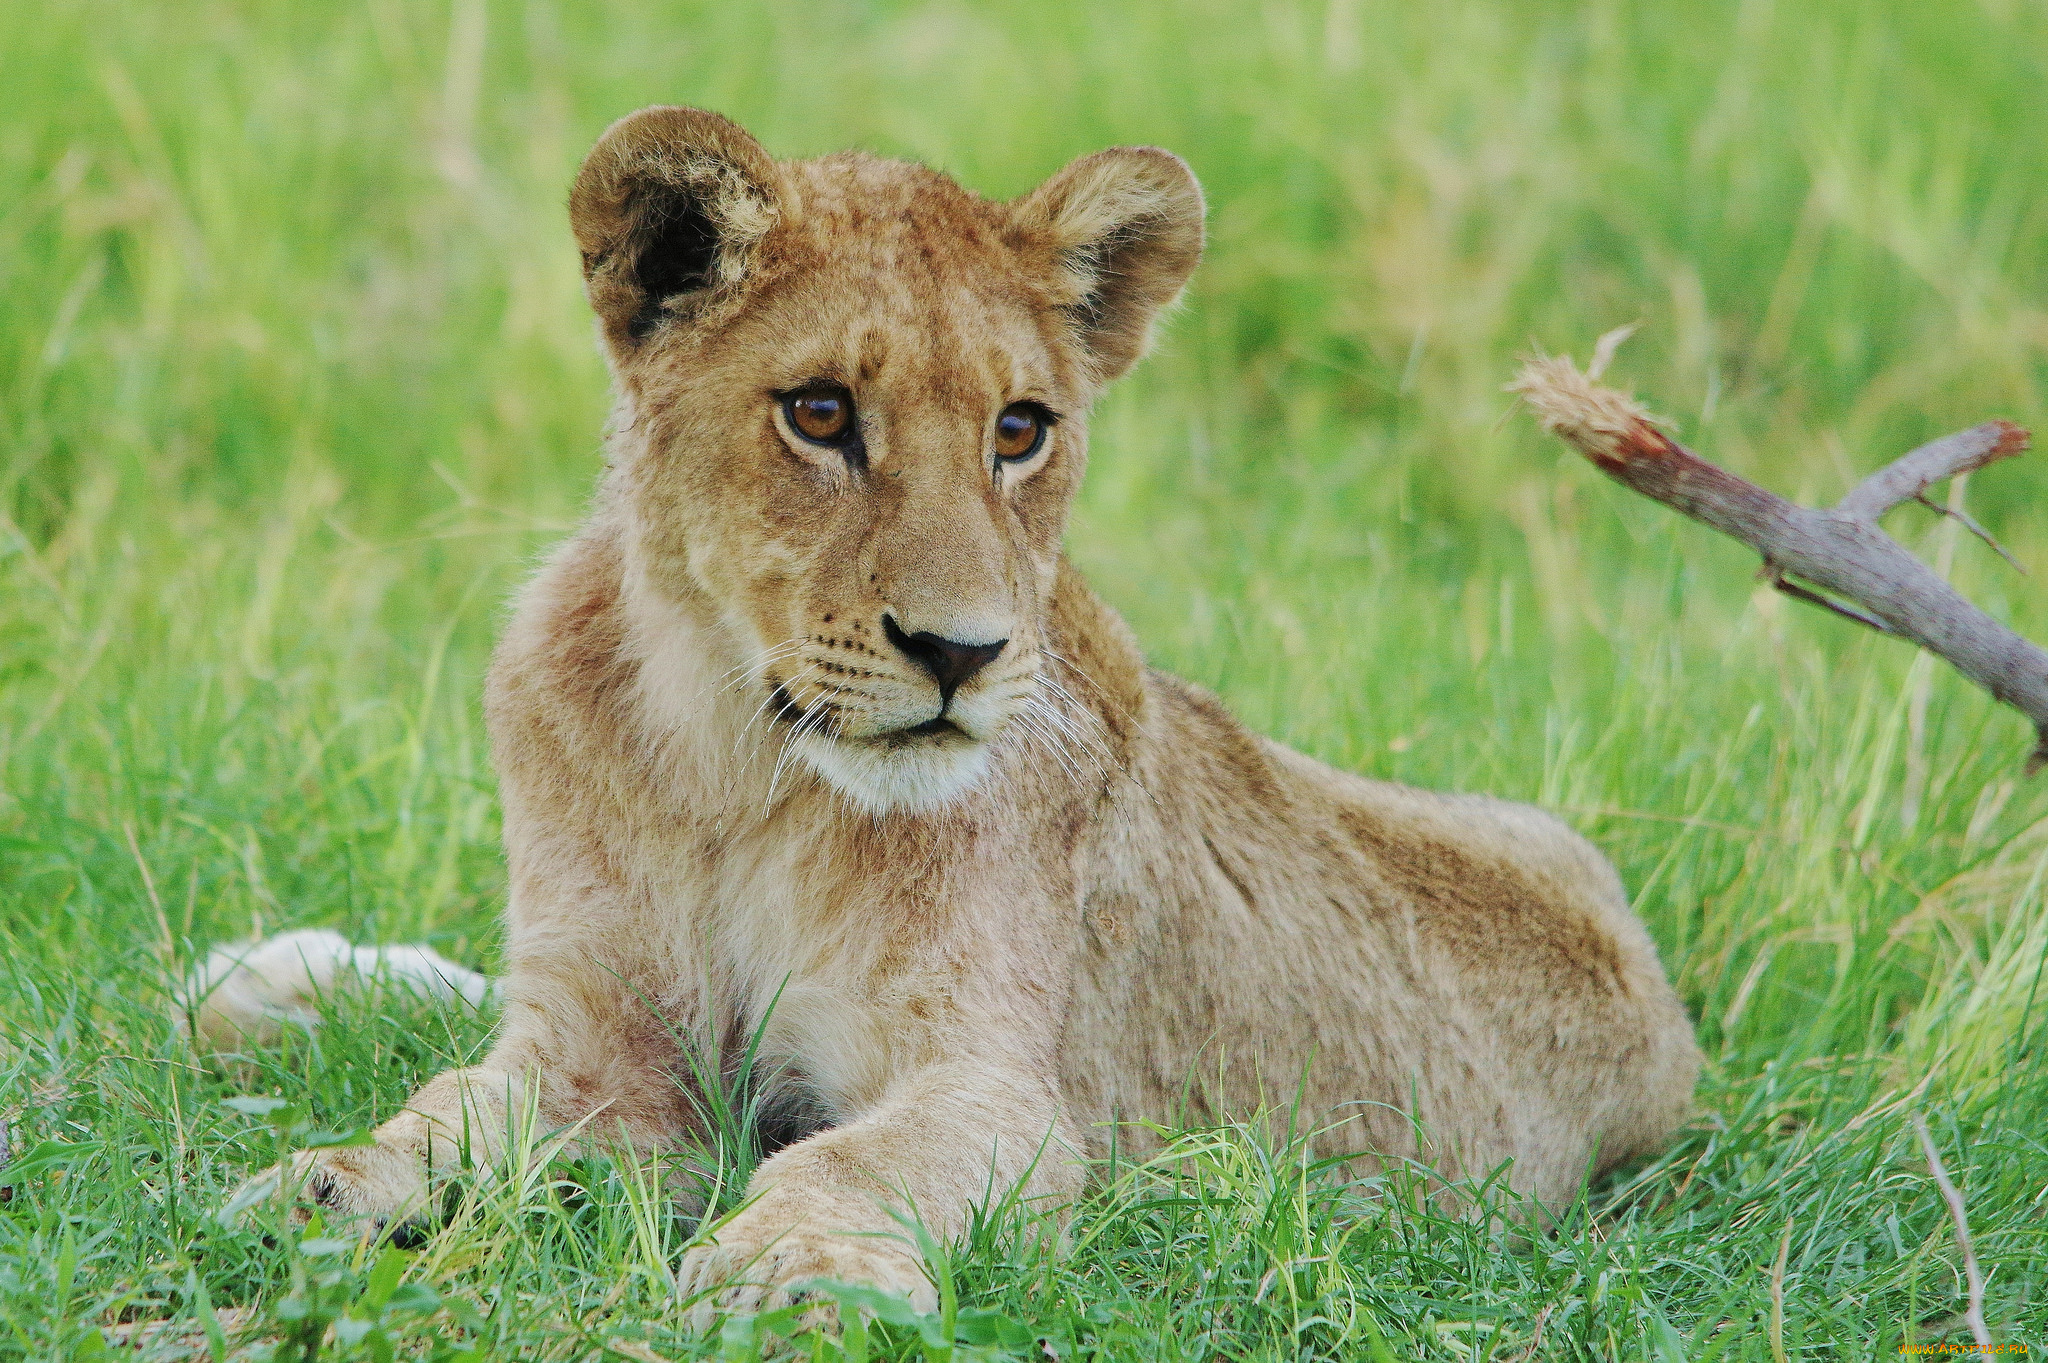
column 1483, row 875
column 1529, row 924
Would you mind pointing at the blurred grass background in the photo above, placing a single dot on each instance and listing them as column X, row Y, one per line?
column 296, row 379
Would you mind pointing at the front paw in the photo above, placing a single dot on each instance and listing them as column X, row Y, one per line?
column 757, row 1262
column 349, row 1183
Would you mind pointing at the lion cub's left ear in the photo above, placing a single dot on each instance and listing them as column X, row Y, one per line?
column 1123, row 229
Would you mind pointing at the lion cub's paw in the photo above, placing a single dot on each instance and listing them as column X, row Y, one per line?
column 751, row 1268
column 349, row 1183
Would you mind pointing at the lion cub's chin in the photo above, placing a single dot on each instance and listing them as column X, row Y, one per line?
column 890, row 775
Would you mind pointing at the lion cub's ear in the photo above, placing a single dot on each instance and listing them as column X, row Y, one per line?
column 666, row 207
column 1123, row 229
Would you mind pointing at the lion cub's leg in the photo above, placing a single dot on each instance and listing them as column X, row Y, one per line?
column 576, row 1055
column 962, row 1128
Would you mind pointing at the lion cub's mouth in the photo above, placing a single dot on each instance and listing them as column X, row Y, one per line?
column 936, row 732
column 828, row 720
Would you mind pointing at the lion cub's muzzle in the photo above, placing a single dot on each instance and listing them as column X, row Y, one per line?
column 876, row 681
column 896, row 717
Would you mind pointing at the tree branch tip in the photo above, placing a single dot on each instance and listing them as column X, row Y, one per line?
column 1602, row 422
column 2012, row 439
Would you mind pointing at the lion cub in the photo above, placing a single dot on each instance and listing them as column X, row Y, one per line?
column 814, row 713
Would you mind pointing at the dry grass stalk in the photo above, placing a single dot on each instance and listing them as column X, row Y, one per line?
column 1959, row 1217
column 1833, row 557
column 1778, row 1295
column 1535, row 1338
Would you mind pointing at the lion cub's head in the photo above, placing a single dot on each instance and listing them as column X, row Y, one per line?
column 854, row 402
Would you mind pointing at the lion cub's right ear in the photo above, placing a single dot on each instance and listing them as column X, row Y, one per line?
column 666, row 208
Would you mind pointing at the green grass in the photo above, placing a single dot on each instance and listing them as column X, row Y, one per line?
column 295, row 380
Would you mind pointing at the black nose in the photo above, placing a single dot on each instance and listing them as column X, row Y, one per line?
column 948, row 660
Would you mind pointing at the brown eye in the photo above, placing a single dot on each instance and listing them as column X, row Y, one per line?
column 1020, row 430
column 821, row 414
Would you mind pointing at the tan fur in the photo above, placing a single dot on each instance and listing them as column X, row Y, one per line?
column 1101, row 901
column 251, row 994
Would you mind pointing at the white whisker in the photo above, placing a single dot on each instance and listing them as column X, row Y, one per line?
column 768, row 657
column 811, row 721
column 1033, row 719
column 1085, row 736
column 1099, row 688
column 768, row 700
column 1030, row 725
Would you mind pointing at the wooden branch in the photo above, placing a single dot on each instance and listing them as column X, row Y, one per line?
column 1839, row 550
column 1908, row 477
